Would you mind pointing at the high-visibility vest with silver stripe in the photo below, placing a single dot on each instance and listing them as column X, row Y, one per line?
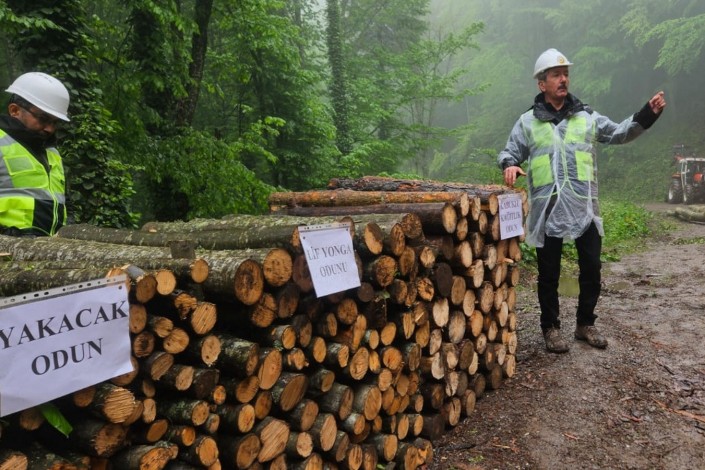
column 562, row 160
column 30, row 197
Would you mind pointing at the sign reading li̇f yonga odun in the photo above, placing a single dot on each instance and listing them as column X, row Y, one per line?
column 55, row 342
column 330, row 257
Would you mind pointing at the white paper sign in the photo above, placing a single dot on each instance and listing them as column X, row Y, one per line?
column 330, row 256
column 55, row 342
column 510, row 216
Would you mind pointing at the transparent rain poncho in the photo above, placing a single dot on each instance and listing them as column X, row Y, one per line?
column 562, row 169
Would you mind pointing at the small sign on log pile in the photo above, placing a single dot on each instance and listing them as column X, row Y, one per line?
column 238, row 364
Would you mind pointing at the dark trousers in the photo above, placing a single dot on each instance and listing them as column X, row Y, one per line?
column 589, row 246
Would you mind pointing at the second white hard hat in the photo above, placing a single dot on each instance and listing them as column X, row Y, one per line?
column 548, row 59
column 43, row 91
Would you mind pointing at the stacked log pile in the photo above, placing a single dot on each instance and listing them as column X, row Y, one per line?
column 239, row 365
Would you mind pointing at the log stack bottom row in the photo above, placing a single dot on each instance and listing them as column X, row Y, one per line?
column 239, row 365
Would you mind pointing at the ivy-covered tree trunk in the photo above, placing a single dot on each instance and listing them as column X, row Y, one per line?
column 338, row 87
column 98, row 188
column 186, row 107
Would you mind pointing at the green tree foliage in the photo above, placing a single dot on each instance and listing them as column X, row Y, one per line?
column 265, row 88
column 209, row 106
column 398, row 70
column 623, row 53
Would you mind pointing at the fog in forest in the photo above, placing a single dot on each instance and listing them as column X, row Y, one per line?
column 623, row 52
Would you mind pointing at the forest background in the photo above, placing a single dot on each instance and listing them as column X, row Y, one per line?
column 201, row 108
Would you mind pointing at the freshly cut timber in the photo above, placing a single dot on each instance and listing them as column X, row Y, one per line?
column 236, row 274
column 98, row 438
column 12, row 460
column 237, row 363
column 487, row 193
column 147, row 457
column 344, row 197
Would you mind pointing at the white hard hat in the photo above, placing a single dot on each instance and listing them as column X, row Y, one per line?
column 548, row 59
column 43, row 91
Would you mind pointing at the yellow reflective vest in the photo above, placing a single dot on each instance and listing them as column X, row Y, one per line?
column 562, row 170
column 32, row 199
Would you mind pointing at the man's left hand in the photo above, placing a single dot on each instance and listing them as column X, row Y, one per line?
column 657, row 103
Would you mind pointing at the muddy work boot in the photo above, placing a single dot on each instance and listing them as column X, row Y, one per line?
column 591, row 335
column 554, row 342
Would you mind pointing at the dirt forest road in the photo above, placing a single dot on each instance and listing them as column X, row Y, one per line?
column 639, row 404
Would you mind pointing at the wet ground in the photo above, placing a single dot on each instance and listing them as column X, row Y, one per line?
column 639, row 404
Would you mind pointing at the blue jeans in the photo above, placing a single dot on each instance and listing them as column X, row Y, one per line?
column 589, row 247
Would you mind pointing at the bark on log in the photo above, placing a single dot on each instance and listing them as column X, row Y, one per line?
column 112, row 403
column 39, row 457
column 429, row 210
column 180, row 434
column 184, row 411
column 270, row 367
column 340, row 447
column 347, row 197
column 241, row 390
column 232, row 238
column 323, row 432
column 179, row 377
column 377, row 183
column 237, row 355
column 239, row 451
column 146, row 457
column 288, row 391
column 240, row 418
column 246, row 231
column 203, row 351
column 13, row 282
column 386, row 445
column 97, row 438
column 236, row 273
column 303, row 416
column 367, row 400
column 203, row 452
column 337, row 401
column 299, row 444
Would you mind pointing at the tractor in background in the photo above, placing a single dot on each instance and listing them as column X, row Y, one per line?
column 688, row 181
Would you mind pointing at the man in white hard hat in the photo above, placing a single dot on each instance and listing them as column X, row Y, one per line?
column 32, row 183
column 556, row 139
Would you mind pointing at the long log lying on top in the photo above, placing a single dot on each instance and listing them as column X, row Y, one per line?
column 231, row 239
column 380, row 183
column 233, row 232
column 487, row 193
column 345, row 197
column 54, row 248
column 233, row 273
column 66, row 255
column 228, row 223
column 15, row 282
column 427, row 212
